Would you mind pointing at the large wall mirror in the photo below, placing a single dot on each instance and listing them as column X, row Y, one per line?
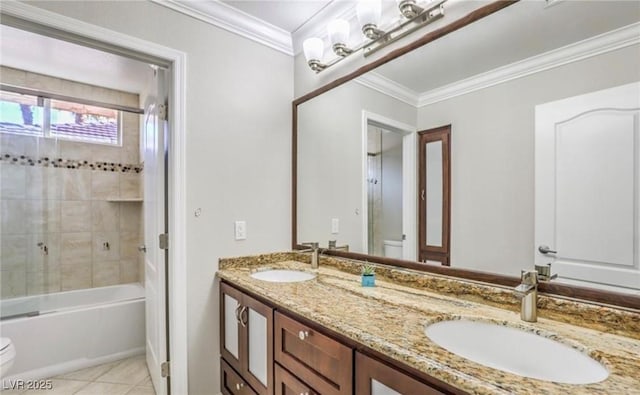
column 540, row 162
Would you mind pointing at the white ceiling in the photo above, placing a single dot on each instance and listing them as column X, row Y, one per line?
column 288, row 15
column 39, row 54
column 517, row 32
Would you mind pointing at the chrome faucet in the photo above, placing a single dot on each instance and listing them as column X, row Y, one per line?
column 527, row 291
column 314, row 250
column 333, row 245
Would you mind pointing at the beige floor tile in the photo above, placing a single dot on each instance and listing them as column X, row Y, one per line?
column 11, row 392
column 138, row 390
column 96, row 388
column 129, row 371
column 61, row 387
column 145, row 383
column 89, row 374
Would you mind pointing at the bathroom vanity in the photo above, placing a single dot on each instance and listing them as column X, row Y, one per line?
column 329, row 335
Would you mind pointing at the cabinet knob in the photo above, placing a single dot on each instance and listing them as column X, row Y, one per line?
column 303, row 335
column 239, row 386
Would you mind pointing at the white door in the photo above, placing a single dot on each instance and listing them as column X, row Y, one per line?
column 153, row 142
column 587, row 182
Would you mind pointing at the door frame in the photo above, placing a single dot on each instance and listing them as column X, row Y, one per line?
column 177, row 294
column 409, row 209
column 426, row 252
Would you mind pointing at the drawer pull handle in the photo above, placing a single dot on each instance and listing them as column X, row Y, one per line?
column 304, row 393
column 303, row 335
column 239, row 386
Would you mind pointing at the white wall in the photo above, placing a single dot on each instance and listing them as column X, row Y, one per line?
column 391, row 186
column 492, row 157
column 330, row 149
column 238, row 151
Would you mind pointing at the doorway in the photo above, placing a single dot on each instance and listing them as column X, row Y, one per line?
column 29, row 18
column 388, row 168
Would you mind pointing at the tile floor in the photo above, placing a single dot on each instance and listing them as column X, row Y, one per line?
column 125, row 377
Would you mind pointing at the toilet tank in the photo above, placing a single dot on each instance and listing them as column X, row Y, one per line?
column 392, row 248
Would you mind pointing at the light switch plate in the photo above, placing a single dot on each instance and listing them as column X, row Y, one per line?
column 335, row 225
column 241, row 230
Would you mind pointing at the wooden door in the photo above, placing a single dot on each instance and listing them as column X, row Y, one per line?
column 434, row 195
column 256, row 319
column 232, row 339
column 155, row 130
column 587, row 187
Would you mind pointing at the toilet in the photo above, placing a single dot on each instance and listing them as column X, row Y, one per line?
column 7, row 355
column 392, row 248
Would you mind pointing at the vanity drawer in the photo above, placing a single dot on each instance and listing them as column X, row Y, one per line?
column 232, row 383
column 322, row 362
column 288, row 384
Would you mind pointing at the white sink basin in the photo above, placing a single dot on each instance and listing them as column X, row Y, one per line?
column 516, row 351
column 283, row 276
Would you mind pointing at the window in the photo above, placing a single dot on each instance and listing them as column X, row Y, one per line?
column 38, row 116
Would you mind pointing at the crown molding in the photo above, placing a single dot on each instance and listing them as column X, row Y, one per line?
column 233, row 20
column 389, row 87
column 597, row 45
column 594, row 46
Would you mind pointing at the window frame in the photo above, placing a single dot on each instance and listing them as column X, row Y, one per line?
column 44, row 101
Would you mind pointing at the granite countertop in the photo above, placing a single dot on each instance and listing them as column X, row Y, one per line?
column 390, row 318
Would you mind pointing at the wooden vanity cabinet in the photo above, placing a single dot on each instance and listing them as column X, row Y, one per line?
column 376, row 378
column 288, row 384
column 318, row 360
column 246, row 337
column 265, row 352
column 232, row 383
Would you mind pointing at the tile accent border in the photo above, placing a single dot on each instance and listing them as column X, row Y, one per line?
column 24, row 160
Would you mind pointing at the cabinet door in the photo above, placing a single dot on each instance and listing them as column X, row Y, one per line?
column 232, row 346
column 231, row 382
column 257, row 320
column 288, row 384
column 318, row 360
column 375, row 378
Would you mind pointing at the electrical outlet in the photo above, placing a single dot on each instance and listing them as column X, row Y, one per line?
column 241, row 230
column 335, row 225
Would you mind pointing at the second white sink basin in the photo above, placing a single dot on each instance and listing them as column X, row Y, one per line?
column 516, row 351
column 283, row 276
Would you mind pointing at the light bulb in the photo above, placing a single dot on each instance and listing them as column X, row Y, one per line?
column 338, row 31
column 369, row 12
column 313, row 48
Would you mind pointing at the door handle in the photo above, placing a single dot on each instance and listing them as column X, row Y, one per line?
column 238, row 312
column 546, row 250
column 422, row 195
column 142, row 248
column 242, row 321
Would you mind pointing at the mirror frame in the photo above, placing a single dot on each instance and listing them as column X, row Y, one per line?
column 616, row 299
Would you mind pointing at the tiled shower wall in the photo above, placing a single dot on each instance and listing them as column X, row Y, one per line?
column 68, row 202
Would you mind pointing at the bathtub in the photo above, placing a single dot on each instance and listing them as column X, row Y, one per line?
column 66, row 331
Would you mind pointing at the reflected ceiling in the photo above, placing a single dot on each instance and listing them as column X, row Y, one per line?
column 479, row 49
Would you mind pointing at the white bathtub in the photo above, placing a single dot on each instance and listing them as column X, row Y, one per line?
column 74, row 329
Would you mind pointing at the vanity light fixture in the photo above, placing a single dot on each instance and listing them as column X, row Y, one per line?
column 415, row 14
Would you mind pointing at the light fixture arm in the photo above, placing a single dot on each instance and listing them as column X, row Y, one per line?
column 416, row 18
